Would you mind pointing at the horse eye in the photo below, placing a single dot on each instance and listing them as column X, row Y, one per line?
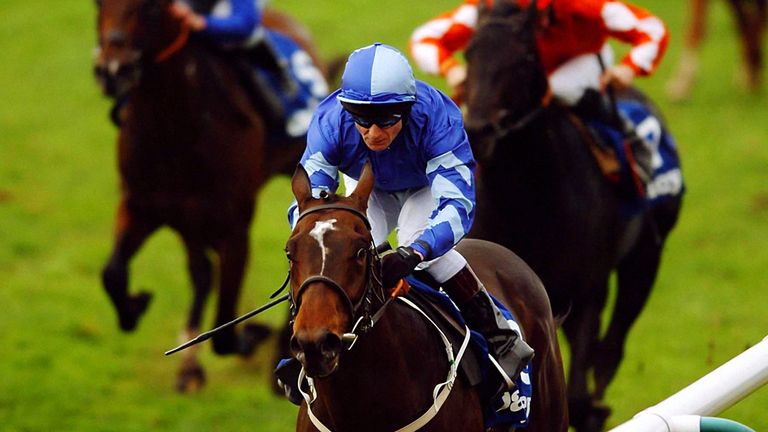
column 360, row 253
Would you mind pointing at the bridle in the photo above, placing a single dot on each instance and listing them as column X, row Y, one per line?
column 361, row 311
column 137, row 63
column 507, row 124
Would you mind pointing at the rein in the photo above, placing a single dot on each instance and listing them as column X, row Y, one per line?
column 176, row 45
column 505, row 125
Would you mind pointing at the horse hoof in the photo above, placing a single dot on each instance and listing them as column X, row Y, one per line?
column 226, row 342
column 190, row 380
column 252, row 336
column 137, row 305
column 597, row 417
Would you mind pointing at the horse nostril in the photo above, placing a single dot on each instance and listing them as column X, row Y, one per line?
column 294, row 345
column 325, row 345
column 331, row 346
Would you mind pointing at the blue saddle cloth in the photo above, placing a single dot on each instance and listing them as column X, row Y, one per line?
column 510, row 408
column 310, row 83
column 667, row 181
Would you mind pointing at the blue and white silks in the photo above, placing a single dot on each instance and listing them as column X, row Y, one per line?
column 431, row 150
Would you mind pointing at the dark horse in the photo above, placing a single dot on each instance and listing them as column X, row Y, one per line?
column 542, row 194
column 386, row 379
column 192, row 152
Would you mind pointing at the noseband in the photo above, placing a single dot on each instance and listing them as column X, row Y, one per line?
column 360, row 312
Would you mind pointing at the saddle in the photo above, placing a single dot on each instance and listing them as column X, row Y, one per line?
column 511, row 409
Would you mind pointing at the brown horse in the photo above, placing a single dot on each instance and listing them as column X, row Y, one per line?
column 193, row 153
column 541, row 193
column 751, row 20
column 385, row 380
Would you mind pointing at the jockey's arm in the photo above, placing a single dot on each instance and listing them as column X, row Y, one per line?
column 320, row 162
column 638, row 27
column 434, row 44
column 235, row 26
column 450, row 170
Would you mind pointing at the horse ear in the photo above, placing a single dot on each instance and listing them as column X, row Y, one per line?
column 300, row 185
column 364, row 186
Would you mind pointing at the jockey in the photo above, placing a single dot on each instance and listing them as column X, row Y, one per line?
column 573, row 48
column 414, row 137
column 237, row 24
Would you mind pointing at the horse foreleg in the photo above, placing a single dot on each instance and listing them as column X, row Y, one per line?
column 680, row 85
column 282, row 351
column 130, row 235
column 636, row 275
column 581, row 329
column 191, row 375
column 233, row 256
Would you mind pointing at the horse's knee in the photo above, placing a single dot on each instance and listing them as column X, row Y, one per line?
column 114, row 278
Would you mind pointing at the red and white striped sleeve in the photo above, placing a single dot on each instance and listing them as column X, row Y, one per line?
column 434, row 44
column 645, row 32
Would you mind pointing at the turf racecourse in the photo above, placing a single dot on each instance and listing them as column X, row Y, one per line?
column 65, row 366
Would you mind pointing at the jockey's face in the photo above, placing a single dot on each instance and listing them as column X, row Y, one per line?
column 377, row 138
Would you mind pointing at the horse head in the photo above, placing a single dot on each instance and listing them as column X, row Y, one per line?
column 130, row 33
column 334, row 271
column 505, row 79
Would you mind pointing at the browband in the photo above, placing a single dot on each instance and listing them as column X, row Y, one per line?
column 353, row 210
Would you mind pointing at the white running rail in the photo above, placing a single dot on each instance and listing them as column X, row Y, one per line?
column 710, row 395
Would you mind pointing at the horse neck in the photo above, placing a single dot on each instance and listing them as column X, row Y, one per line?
column 191, row 88
column 401, row 352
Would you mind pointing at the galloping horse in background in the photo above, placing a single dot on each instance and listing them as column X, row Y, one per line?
column 386, row 378
column 193, row 153
column 751, row 21
column 542, row 195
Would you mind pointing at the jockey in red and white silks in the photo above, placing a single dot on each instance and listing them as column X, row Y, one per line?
column 572, row 32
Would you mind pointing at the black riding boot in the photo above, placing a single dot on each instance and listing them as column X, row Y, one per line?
column 594, row 106
column 509, row 351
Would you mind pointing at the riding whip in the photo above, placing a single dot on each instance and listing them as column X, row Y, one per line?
column 207, row 335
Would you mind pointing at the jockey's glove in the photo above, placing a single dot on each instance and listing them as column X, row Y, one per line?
column 398, row 264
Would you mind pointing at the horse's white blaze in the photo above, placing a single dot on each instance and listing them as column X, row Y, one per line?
column 318, row 233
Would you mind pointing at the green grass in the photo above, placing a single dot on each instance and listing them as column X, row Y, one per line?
column 65, row 366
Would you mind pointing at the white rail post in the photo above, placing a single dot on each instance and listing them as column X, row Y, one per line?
column 710, row 395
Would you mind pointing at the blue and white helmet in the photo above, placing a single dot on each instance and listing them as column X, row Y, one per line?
column 376, row 75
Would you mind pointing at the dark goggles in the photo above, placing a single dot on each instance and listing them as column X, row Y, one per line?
column 384, row 116
column 382, row 122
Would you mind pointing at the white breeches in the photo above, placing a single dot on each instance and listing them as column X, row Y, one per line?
column 569, row 81
column 407, row 213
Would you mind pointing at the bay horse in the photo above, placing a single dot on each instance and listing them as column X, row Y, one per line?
column 542, row 195
column 192, row 155
column 385, row 380
column 751, row 18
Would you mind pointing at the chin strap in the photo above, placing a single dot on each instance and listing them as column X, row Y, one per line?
column 439, row 394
